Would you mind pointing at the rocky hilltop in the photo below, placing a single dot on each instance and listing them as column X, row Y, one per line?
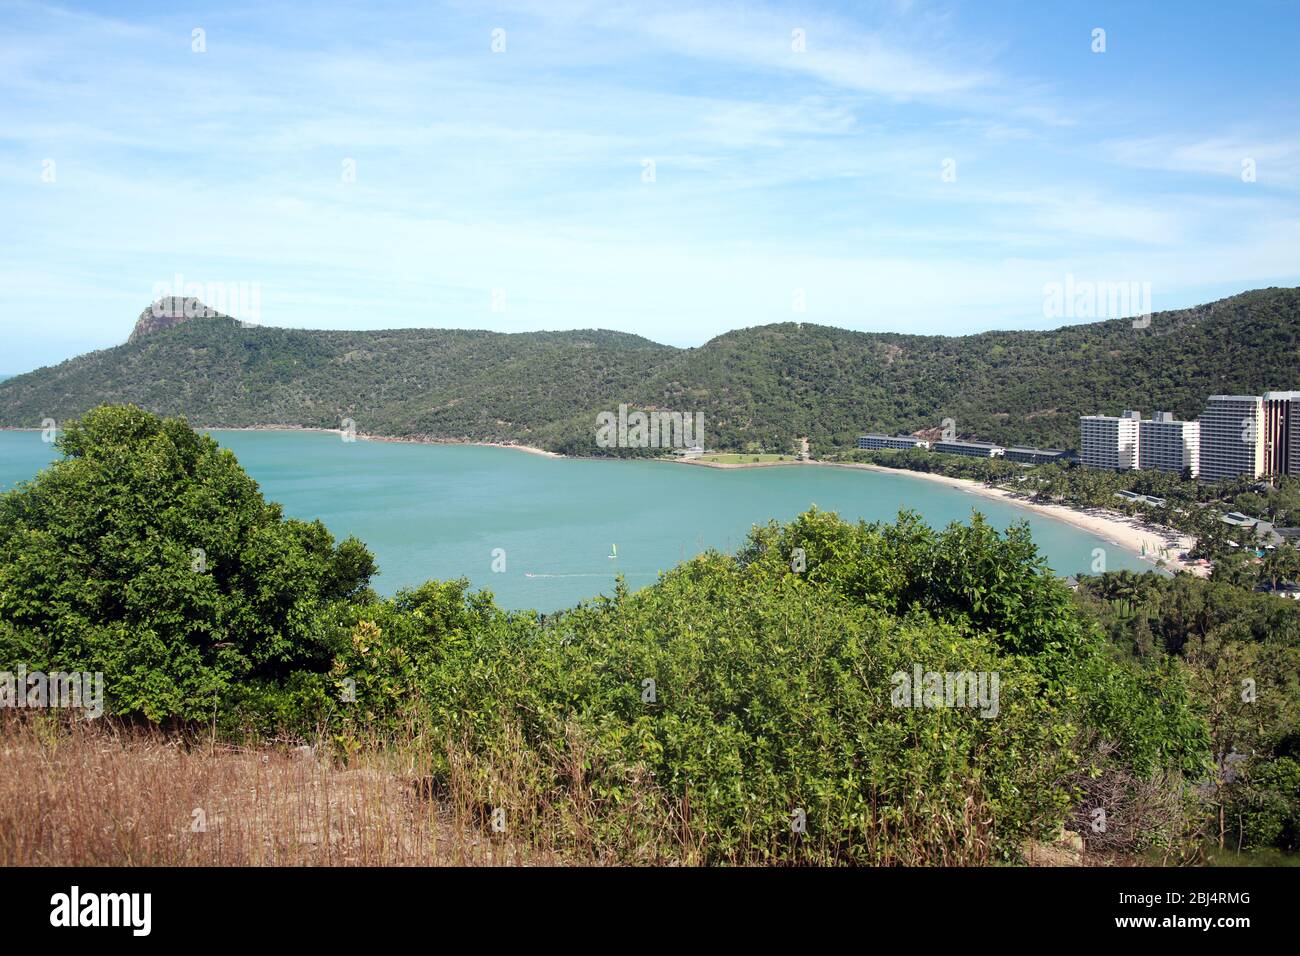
column 168, row 311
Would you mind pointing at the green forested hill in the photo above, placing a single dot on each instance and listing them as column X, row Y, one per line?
column 440, row 383
column 757, row 387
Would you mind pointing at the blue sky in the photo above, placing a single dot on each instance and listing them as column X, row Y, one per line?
column 511, row 191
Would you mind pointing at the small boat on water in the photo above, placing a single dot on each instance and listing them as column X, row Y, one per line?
column 613, row 553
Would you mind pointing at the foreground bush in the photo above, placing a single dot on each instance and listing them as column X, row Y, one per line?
column 146, row 553
column 739, row 696
column 1242, row 653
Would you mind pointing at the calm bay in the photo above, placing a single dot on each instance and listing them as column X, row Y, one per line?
column 442, row 511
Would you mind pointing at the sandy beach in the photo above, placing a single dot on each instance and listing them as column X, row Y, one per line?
column 699, row 463
column 1119, row 529
column 1143, row 540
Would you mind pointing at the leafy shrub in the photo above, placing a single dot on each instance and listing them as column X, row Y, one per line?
column 148, row 554
column 742, row 692
column 1267, row 808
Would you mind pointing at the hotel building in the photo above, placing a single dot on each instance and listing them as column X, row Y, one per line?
column 1293, row 442
column 1109, row 442
column 1232, row 437
column 1168, row 445
column 1036, row 456
column 891, row 441
column 1281, row 420
column 973, row 449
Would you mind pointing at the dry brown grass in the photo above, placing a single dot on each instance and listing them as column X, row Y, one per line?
column 107, row 794
column 103, row 794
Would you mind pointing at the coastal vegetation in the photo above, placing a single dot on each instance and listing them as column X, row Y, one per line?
column 1187, row 505
column 759, row 389
column 1242, row 655
column 743, row 708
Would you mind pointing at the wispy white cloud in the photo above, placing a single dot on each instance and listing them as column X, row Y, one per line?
column 1270, row 160
column 775, row 170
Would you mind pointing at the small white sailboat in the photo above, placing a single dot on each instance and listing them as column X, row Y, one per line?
column 613, row 553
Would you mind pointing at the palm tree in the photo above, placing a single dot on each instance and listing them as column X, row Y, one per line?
column 1282, row 564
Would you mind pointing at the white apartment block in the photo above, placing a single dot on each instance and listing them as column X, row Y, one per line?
column 1168, row 445
column 891, row 441
column 1232, row 437
column 971, row 449
column 1109, row 442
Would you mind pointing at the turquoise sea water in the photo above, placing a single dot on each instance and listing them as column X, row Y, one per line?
column 440, row 511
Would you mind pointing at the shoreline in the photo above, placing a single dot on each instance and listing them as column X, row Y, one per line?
column 414, row 440
column 1120, row 530
column 740, row 464
column 363, row 436
column 1114, row 527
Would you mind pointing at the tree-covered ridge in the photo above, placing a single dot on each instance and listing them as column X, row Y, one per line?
column 1010, row 387
column 758, row 388
column 452, row 384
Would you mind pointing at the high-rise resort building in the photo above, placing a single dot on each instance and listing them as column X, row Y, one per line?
column 891, row 441
column 1109, row 442
column 1232, row 437
column 1169, row 445
column 1281, row 420
column 1293, row 441
column 973, row 449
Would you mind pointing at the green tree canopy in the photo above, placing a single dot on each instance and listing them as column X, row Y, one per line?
column 148, row 554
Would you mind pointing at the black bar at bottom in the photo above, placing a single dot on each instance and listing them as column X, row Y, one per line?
column 338, row 905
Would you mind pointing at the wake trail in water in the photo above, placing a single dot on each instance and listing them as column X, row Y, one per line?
column 592, row 574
